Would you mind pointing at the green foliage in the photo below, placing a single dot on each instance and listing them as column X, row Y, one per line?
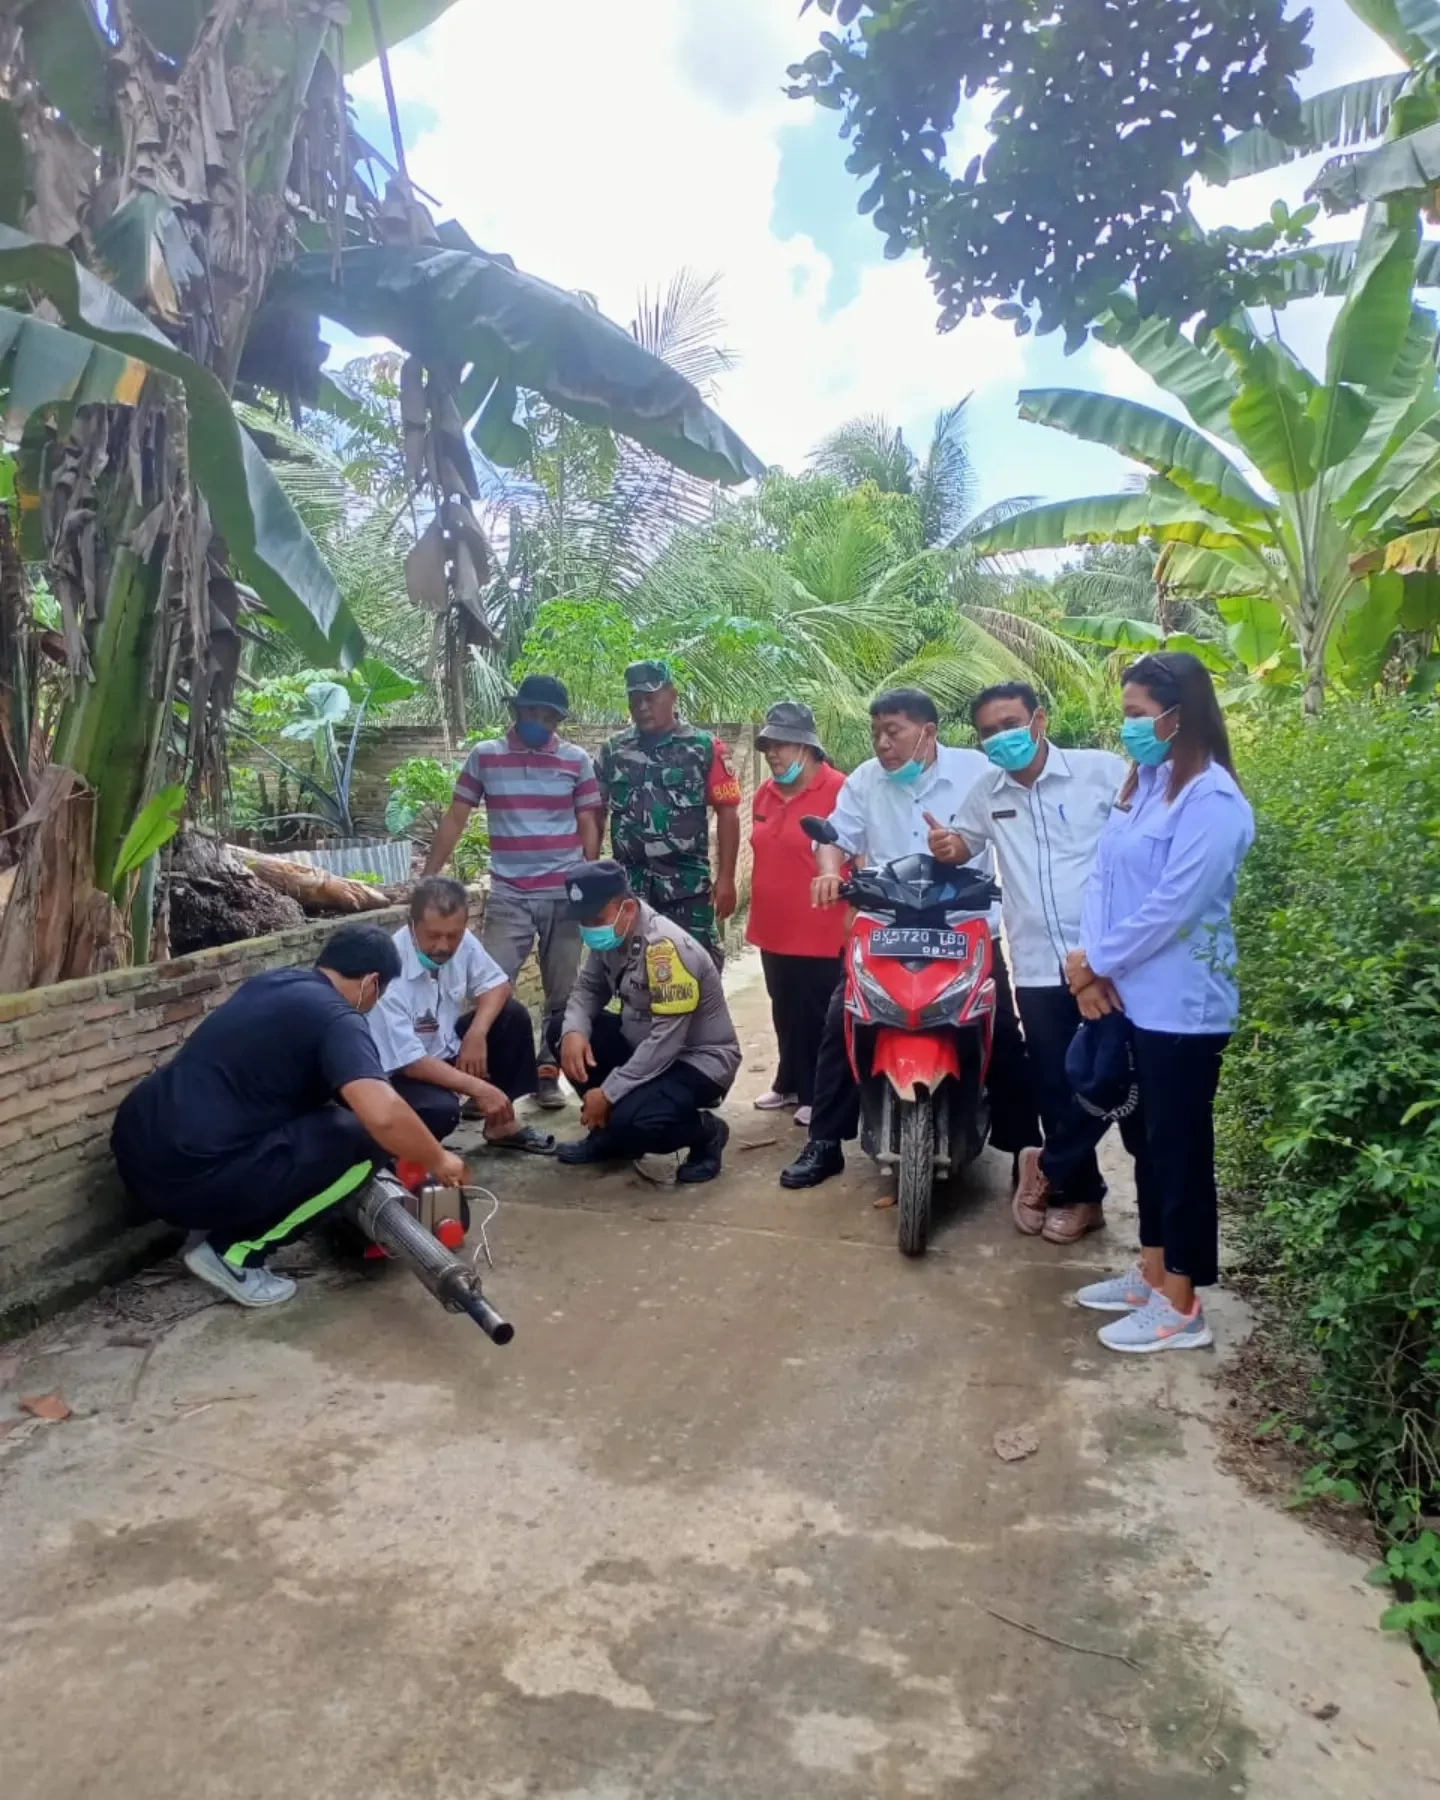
column 452, row 304
column 1413, row 1569
column 421, row 789
column 1329, row 1117
column 588, row 644
column 1353, row 461
column 270, row 545
column 1101, row 115
column 156, row 824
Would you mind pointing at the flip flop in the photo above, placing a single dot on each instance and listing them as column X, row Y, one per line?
column 527, row 1138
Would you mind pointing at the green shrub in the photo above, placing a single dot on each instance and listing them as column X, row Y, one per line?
column 1330, row 1109
column 421, row 789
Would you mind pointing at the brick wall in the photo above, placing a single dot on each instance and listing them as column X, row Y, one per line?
column 68, row 1056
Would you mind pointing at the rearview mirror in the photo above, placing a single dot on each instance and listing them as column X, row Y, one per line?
column 819, row 831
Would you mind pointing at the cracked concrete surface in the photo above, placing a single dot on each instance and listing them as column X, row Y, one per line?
column 725, row 1519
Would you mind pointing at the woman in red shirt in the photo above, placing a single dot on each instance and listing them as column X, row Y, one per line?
column 799, row 946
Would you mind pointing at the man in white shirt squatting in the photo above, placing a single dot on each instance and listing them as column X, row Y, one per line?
column 1042, row 810
column 884, row 811
column 450, row 1032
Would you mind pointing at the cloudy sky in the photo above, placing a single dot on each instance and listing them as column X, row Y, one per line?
column 605, row 147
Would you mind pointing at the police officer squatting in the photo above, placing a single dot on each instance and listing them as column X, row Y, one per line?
column 1109, row 995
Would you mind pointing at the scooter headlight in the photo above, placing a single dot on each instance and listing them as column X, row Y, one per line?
column 883, row 1010
column 948, row 1003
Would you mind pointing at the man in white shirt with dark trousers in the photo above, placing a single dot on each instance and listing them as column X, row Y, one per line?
column 884, row 811
column 1041, row 809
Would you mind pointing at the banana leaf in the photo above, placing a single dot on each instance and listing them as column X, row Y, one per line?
column 1201, row 380
column 1255, row 628
column 1185, row 458
column 1406, row 165
column 461, row 306
column 170, row 25
column 1167, row 516
column 1421, row 19
column 1338, row 119
column 1325, row 269
column 269, row 545
column 1137, row 637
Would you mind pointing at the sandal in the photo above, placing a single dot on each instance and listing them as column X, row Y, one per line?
column 527, row 1138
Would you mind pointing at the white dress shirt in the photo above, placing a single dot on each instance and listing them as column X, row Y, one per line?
column 417, row 1012
column 1046, row 837
column 878, row 819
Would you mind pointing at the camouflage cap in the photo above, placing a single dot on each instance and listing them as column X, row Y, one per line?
column 648, row 677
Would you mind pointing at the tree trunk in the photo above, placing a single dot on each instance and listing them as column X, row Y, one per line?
column 43, row 942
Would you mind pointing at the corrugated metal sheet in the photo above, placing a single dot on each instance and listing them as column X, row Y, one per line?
column 389, row 858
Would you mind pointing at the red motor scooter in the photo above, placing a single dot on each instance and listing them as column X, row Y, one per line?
column 919, row 1021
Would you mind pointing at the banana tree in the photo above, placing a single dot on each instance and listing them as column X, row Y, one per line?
column 1386, row 129
column 1325, row 471
column 158, row 173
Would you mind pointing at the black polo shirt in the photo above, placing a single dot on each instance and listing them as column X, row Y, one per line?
column 281, row 1046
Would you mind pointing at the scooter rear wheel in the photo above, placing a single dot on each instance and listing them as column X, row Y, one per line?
column 916, row 1184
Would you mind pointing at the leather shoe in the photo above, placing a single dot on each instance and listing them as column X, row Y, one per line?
column 818, row 1161
column 1027, row 1205
column 703, row 1162
column 1068, row 1224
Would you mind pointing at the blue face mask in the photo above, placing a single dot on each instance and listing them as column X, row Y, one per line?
column 1141, row 743
column 788, row 777
column 600, row 937
column 1011, row 750
column 532, row 733
column 908, row 773
column 429, row 962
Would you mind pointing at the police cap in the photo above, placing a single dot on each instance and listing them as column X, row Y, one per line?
column 591, row 886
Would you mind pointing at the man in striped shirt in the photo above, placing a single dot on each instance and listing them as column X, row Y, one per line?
column 544, row 814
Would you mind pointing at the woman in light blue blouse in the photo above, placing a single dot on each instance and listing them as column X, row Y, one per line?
column 1158, row 946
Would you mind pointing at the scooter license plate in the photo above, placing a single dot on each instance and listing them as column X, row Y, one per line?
column 923, row 941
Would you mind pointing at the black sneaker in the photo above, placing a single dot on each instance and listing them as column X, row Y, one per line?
column 594, row 1148
column 547, row 1090
column 818, row 1161
column 703, row 1162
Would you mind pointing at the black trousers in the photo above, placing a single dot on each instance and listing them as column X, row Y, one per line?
column 799, row 988
column 267, row 1194
column 513, row 1069
column 1014, row 1122
column 1050, row 1019
column 663, row 1114
column 1171, row 1135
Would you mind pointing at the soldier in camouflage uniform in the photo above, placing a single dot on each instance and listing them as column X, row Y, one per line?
column 658, row 780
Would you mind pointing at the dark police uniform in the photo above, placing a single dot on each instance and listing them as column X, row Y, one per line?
column 671, row 1051
column 239, row 1135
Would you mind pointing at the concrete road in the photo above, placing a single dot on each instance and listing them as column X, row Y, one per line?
column 725, row 1520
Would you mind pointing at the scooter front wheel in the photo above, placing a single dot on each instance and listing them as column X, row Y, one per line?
column 916, row 1173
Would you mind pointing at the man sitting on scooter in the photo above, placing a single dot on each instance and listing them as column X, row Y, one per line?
column 448, row 1028
column 882, row 814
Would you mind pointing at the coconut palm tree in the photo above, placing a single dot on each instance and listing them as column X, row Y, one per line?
column 942, row 482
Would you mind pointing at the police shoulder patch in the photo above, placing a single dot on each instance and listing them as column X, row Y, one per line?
column 673, row 989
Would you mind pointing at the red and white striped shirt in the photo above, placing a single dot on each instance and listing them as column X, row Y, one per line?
column 531, row 800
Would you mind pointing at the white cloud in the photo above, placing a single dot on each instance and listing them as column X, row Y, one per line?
column 604, row 148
